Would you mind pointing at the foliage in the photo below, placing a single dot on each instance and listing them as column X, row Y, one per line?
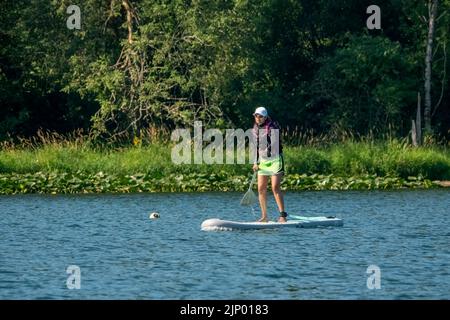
column 137, row 64
column 369, row 76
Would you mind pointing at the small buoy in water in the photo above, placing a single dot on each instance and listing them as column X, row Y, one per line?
column 154, row 215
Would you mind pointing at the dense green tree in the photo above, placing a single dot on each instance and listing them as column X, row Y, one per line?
column 367, row 85
column 166, row 63
column 33, row 67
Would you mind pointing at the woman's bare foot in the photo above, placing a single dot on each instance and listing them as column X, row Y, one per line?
column 282, row 219
column 263, row 219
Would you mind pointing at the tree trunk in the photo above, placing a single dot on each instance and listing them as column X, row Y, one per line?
column 416, row 128
column 414, row 133
column 419, row 120
column 432, row 12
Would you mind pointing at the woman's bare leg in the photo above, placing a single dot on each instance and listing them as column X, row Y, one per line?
column 278, row 194
column 262, row 191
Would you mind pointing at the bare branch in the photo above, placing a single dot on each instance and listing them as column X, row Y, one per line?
column 110, row 15
column 443, row 80
column 436, row 50
column 441, row 16
column 423, row 19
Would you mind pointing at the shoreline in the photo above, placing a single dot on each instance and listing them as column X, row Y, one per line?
column 442, row 183
column 88, row 183
column 69, row 167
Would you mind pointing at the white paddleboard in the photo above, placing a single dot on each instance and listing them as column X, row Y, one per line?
column 297, row 222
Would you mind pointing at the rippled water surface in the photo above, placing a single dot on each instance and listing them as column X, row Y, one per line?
column 122, row 254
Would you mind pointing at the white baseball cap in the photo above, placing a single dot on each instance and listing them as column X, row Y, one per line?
column 261, row 110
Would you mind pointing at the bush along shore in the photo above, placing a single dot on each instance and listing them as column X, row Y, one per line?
column 73, row 167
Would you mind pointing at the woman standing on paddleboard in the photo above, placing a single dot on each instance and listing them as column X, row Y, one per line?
column 268, row 161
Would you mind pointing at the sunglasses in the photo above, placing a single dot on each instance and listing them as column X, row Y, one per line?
column 258, row 116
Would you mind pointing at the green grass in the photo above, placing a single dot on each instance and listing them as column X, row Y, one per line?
column 346, row 159
column 72, row 159
column 383, row 159
column 66, row 167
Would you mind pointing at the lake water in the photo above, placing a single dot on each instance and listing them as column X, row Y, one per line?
column 122, row 254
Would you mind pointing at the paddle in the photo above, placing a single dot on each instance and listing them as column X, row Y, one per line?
column 250, row 197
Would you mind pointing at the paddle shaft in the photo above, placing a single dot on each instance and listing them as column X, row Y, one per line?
column 253, row 180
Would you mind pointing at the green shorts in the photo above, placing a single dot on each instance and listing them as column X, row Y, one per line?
column 271, row 167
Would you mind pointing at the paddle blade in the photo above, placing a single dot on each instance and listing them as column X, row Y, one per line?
column 249, row 198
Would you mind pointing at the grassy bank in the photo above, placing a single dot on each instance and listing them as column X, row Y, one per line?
column 73, row 167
